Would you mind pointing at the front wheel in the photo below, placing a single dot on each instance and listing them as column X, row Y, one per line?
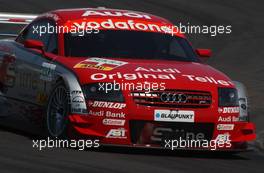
column 57, row 111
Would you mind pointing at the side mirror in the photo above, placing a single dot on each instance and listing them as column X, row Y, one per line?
column 204, row 53
column 34, row 44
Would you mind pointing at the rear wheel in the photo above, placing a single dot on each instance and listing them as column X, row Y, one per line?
column 57, row 111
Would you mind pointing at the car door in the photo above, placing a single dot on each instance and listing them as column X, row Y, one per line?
column 30, row 91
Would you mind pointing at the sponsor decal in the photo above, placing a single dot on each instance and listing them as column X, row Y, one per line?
column 131, row 76
column 47, row 71
column 207, row 79
column 100, row 64
column 115, row 14
column 107, row 114
column 163, row 76
column 160, row 132
column 228, row 119
column 174, row 115
column 103, row 104
column 78, row 99
column 114, row 122
column 228, row 110
column 115, row 115
column 225, row 127
column 223, row 137
column 117, row 133
column 96, row 113
column 158, row 70
column 77, row 102
column 121, row 24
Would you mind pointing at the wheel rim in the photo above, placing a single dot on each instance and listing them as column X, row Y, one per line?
column 57, row 112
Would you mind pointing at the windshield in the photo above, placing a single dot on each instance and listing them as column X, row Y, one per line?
column 129, row 44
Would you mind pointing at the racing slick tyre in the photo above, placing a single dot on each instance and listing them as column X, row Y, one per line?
column 56, row 119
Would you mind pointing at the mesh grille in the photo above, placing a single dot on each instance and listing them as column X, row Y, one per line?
column 173, row 98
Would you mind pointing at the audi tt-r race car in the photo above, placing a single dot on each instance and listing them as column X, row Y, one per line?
column 124, row 77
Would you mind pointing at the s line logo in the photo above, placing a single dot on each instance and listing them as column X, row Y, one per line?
column 117, row 133
column 160, row 132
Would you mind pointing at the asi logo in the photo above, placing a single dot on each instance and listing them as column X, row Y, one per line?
column 223, row 137
column 117, row 133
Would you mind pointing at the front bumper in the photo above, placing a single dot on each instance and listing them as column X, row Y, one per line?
column 142, row 136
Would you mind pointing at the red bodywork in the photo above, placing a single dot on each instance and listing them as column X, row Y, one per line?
column 186, row 76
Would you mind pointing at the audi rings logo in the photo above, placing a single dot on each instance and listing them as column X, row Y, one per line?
column 173, row 97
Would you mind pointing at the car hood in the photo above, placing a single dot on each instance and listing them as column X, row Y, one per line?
column 174, row 74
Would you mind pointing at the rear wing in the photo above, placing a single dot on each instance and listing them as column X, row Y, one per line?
column 15, row 18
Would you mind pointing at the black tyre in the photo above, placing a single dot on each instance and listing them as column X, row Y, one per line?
column 57, row 112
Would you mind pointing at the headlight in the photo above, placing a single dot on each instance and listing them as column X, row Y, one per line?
column 227, row 97
column 96, row 91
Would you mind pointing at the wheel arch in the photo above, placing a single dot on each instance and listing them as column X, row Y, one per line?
column 75, row 90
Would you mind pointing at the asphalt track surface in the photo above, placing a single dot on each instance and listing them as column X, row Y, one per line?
column 240, row 55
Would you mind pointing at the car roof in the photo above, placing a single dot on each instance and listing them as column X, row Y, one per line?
column 77, row 13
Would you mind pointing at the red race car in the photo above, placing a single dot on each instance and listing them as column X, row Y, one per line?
column 123, row 77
